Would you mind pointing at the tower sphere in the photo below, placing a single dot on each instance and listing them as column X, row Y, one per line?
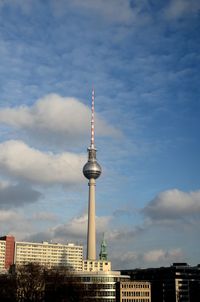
column 92, row 169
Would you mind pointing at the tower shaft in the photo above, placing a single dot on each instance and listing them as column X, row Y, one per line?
column 91, row 234
column 91, row 171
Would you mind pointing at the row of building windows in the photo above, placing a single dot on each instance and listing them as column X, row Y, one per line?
column 47, row 256
column 50, row 246
column 101, row 294
column 46, row 261
column 99, row 279
column 135, row 294
column 50, row 252
column 102, row 286
column 102, row 300
column 135, row 300
column 135, row 285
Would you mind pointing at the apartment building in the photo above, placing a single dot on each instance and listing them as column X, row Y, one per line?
column 2, row 254
column 49, row 254
column 7, row 244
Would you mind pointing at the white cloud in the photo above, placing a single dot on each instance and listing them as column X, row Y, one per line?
column 9, row 215
column 17, row 223
column 14, row 223
column 77, row 227
column 44, row 216
column 174, row 204
column 132, row 259
column 179, row 8
column 56, row 119
column 74, row 230
column 24, row 224
column 123, row 234
column 163, row 256
column 20, row 161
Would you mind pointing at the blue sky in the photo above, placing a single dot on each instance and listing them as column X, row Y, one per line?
column 143, row 59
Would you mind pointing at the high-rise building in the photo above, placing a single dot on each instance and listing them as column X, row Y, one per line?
column 2, row 254
column 7, row 249
column 49, row 254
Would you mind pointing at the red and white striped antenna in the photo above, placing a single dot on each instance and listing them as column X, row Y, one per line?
column 92, row 122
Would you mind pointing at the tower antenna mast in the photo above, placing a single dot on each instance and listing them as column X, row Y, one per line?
column 92, row 121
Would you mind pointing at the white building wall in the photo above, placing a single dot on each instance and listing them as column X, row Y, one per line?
column 96, row 266
column 49, row 254
column 2, row 254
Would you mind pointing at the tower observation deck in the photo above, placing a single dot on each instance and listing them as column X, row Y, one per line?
column 91, row 170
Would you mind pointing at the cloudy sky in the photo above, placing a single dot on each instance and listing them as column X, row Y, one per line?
column 143, row 58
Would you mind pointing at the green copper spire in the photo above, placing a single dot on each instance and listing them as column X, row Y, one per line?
column 103, row 252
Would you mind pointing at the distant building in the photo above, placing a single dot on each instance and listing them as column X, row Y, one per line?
column 177, row 283
column 133, row 291
column 101, row 265
column 49, row 254
column 7, row 249
column 96, row 266
column 99, row 286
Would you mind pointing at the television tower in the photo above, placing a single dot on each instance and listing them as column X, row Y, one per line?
column 91, row 171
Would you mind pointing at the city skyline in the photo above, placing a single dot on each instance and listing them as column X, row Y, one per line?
column 144, row 65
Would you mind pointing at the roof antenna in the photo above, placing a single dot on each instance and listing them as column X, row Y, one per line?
column 92, row 122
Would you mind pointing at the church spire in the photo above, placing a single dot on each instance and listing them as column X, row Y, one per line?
column 103, row 255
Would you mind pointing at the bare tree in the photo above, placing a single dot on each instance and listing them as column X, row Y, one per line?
column 30, row 283
column 35, row 283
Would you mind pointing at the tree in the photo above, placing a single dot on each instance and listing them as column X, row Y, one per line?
column 7, row 288
column 35, row 283
column 30, row 283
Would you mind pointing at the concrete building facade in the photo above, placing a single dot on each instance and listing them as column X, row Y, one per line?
column 49, row 254
column 2, row 254
column 7, row 250
column 96, row 266
column 133, row 291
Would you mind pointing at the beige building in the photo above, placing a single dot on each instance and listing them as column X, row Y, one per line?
column 49, row 254
column 2, row 254
column 133, row 291
column 96, row 266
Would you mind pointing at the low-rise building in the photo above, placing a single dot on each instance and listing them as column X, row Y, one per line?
column 177, row 283
column 96, row 265
column 99, row 286
column 133, row 291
